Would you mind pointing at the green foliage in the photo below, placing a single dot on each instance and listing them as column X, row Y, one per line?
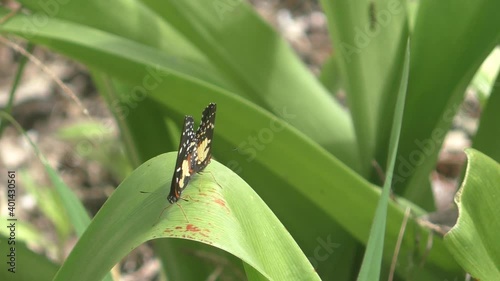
column 216, row 214
column 277, row 127
column 474, row 239
column 370, row 269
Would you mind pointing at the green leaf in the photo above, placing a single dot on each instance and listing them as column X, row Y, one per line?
column 262, row 65
column 330, row 74
column 29, row 265
column 338, row 192
column 289, row 169
column 241, row 69
column 488, row 134
column 194, row 96
column 473, row 241
column 369, row 38
column 372, row 261
column 483, row 82
column 216, row 214
column 437, row 82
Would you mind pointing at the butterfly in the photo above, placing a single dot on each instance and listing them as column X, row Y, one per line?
column 195, row 151
column 186, row 157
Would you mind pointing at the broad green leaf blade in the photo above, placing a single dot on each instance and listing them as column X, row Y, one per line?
column 338, row 264
column 132, row 109
column 141, row 141
column 179, row 255
column 264, row 67
column 217, row 214
column 473, row 241
column 488, row 134
column 300, row 172
column 143, row 62
column 29, row 266
column 330, row 74
column 141, row 25
column 272, row 75
column 328, row 190
column 297, row 168
column 369, row 38
column 328, row 185
column 372, row 261
column 466, row 33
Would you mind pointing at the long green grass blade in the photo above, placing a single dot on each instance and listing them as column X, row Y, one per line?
column 372, row 262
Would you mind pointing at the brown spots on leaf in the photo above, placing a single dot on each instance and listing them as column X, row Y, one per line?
column 192, row 232
column 192, row 228
column 220, row 202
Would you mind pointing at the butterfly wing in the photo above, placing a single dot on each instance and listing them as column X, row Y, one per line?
column 204, row 136
column 185, row 161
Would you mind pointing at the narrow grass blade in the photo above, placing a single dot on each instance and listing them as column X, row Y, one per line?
column 372, row 262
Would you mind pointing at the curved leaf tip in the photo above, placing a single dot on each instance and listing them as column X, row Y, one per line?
column 473, row 241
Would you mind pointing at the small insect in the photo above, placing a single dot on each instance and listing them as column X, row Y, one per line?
column 195, row 152
column 372, row 15
column 186, row 158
